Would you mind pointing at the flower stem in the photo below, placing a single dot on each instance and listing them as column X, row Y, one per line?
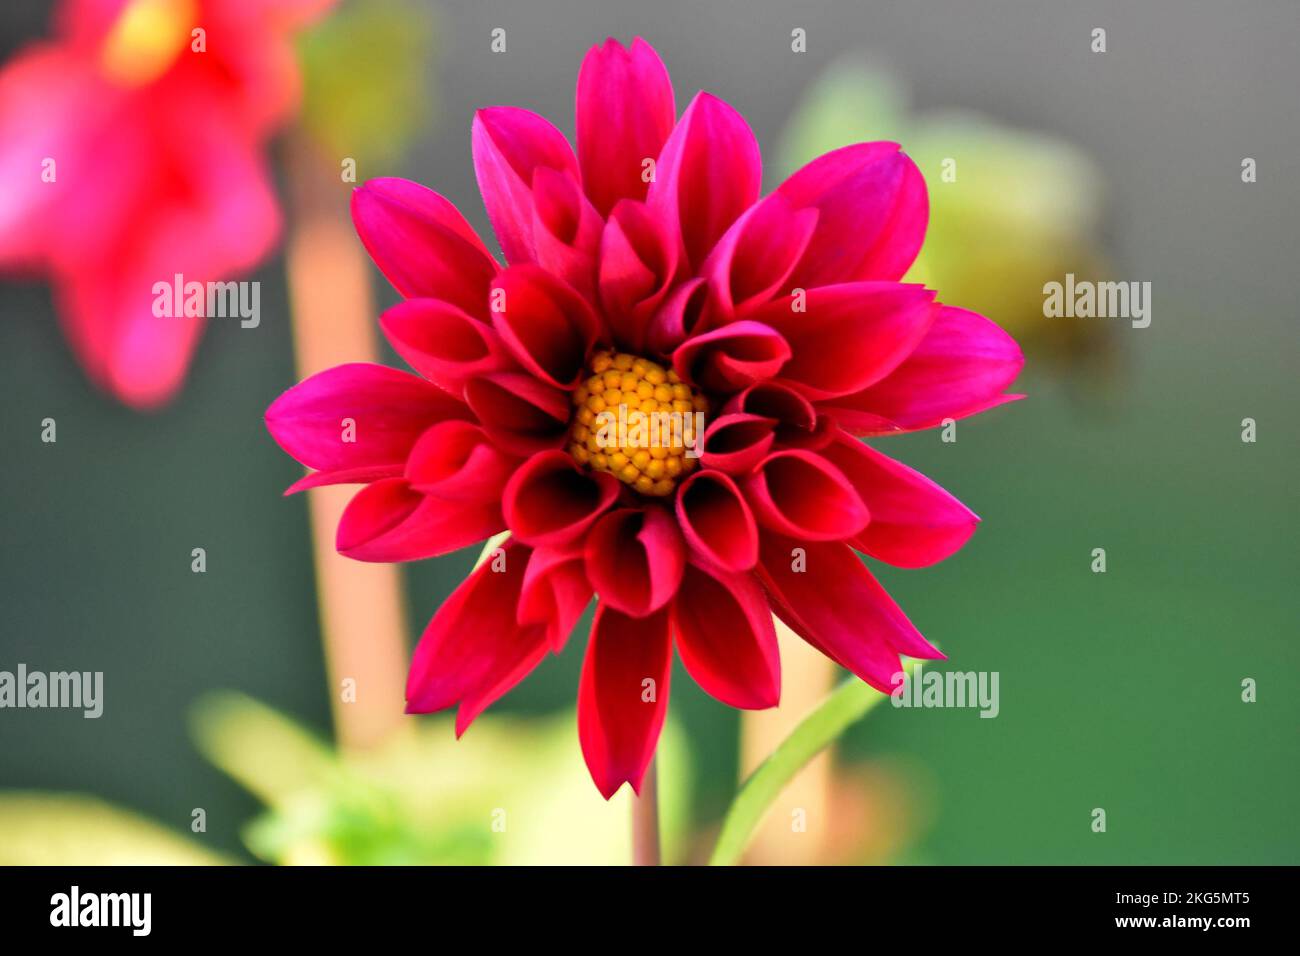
column 363, row 627
column 847, row 704
column 645, row 820
column 807, row 676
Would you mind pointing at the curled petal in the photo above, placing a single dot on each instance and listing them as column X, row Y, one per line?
column 752, row 262
column 521, row 414
column 831, row 600
column 422, row 244
column 708, row 173
column 873, row 211
column 914, row 522
column 797, row 422
column 849, row 336
column 390, row 521
column 625, row 111
column 726, row 639
column 960, row 368
column 685, row 312
column 801, row 494
column 774, row 400
column 555, row 593
column 551, row 502
column 635, row 559
column 457, row 461
column 736, row 442
column 509, row 145
column 566, row 230
column 356, row 416
column 716, row 521
column 444, row 343
column 732, row 357
column 547, row 326
column 636, row 266
column 473, row 651
column 623, row 696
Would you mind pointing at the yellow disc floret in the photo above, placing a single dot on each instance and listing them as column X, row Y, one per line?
column 638, row 421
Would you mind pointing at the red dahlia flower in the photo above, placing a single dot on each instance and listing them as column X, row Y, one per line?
column 647, row 277
column 131, row 149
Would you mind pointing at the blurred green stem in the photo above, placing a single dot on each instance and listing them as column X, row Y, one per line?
column 847, row 704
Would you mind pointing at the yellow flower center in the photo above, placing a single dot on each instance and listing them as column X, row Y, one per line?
column 146, row 39
column 638, row 421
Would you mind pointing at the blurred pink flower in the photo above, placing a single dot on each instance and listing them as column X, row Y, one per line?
column 131, row 150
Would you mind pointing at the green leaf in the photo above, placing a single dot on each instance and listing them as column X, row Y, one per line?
column 269, row 754
column 846, row 705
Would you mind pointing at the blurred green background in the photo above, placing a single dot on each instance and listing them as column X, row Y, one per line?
column 1119, row 690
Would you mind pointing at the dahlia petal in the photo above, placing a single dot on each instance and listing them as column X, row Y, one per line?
column 959, row 368
column 726, row 639
column 836, row 605
column 732, row 357
column 551, row 502
column 736, row 442
column 635, row 559
column 636, row 265
column 800, row 494
column 422, row 244
column 442, row 342
column 624, row 112
column 774, row 400
column 357, row 415
column 708, row 173
column 555, row 593
column 456, row 461
column 873, row 212
column 547, row 326
column 685, row 312
column 106, row 262
column 473, row 651
column 914, row 522
column 752, row 262
column 566, row 230
column 46, row 94
column 526, row 652
column 389, row 521
column 716, row 521
column 509, row 145
column 521, row 414
column 848, row 336
column 623, row 696
column 350, row 476
column 134, row 355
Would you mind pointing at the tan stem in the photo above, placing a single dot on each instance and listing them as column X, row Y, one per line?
column 645, row 820
column 333, row 317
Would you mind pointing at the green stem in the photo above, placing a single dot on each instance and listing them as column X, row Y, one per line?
column 847, row 704
column 492, row 543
